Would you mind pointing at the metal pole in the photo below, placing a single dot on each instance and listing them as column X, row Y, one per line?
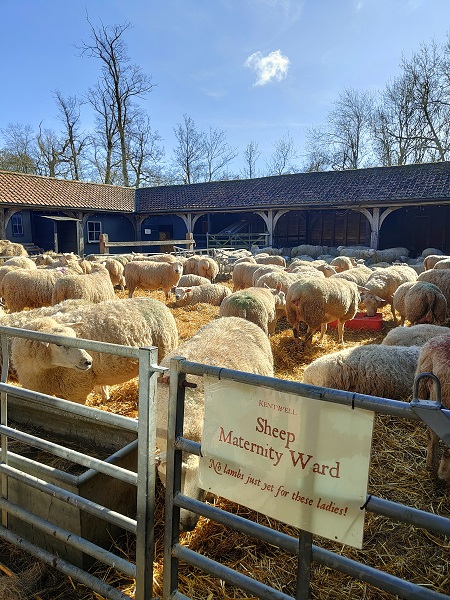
column 304, row 565
column 145, row 540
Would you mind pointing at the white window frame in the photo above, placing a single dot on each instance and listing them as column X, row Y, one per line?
column 93, row 234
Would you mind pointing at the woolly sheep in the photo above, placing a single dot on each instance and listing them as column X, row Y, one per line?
column 26, row 288
column 425, row 303
column 277, row 278
column 429, row 251
column 170, row 258
column 431, row 259
column 357, row 252
column 358, row 275
column 8, row 248
column 115, row 270
column 262, row 306
column 192, row 280
column 247, row 259
column 133, row 322
column 416, row 335
column 271, row 260
column 317, row 302
column 381, row 286
column 23, row 262
column 442, row 264
column 263, row 269
column 389, row 255
column 212, row 294
column 313, row 251
column 150, row 275
column 434, row 358
column 95, row 287
column 326, row 269
column 231, row 343
column 342, row 263
column 242, row 276
column 398, row 299
column 440, row 278
column 374, row 369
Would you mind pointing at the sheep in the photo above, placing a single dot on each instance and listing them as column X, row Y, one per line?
column 342, row 263
column 170, row 258
column 263, row 269
column 95, row 286
column 152, row 275
column 231, row 343
column 431, row 259
column 242, row 276
column 262, row 306
column 358, row 275
column 375, row 369
column 191, row 280
column 115, row 270
column 429, row 251
column 132, row 322
column 320, row 301
column 326, row 269
column 8, row 248
column 425, row 303
column 271, row 260
column 398, row 299
column 381, row 286
column 26, row 288
column 308, row 249
column 440, row 278
column 212, row 294
column 416, row 335
column 442, row 264
column 434, row 358
column 275, row 278
column 23, row 262
column 247, row 259
column 205, row 266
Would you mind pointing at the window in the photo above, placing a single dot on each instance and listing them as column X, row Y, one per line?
column 17, row 224
column 94, row 229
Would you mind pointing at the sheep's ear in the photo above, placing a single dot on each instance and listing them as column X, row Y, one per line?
column 188, row 290
column 73, row 325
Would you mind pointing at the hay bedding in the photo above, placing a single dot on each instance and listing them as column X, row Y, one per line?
column 398, row 473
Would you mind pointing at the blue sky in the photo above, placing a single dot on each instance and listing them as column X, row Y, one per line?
column 257, row 69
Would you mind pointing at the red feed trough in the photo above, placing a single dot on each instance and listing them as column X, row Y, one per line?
column 362, row 321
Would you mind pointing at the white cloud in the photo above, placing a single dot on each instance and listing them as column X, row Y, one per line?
column 274, row 66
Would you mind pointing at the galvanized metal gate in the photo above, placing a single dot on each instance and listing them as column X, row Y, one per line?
column 301, row 547
column 144, row 479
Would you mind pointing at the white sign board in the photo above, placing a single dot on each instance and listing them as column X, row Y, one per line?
column 302, row 461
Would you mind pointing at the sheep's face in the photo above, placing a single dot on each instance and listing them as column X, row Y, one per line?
column 371, row 302
column 63, row 356
column 181, row 293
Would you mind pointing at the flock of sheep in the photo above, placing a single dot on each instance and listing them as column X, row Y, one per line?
column 68, row 295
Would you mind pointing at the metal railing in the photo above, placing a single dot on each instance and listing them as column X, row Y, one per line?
column 144, row 479
column 302, row 547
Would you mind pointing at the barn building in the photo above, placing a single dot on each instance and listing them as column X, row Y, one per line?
column 381, row 207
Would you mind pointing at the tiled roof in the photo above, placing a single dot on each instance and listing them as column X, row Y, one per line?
column 375, row 186
column 31, row 191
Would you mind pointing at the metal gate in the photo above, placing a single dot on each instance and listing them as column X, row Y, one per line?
column 143, row 479
column 302, row 546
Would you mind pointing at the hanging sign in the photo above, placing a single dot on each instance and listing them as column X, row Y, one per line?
column 299, row 460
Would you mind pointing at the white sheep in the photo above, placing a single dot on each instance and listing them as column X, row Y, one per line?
column 115, row 269
column 434, row 358
column 381, row 286
column 374, row 369
column 191, row 280
column 271, row 260
column 317, row 302
column 152, row 275
column 262, row 306
column 431, row 259
column 263, row 269
column 242, row 276
column 416, row 335
column 212, row 294
column 277, row 278
column 440, row 278
column 95, row 286
column 359, row 275
column 205, row 266
column 442, row 264
column 133, row 322
column 425, row 303
column 231, row 343
column 398, row 300
column 26, row 288
column 342, row 263
column 24, row 262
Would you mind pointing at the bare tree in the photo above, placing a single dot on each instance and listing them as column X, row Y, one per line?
column 144, row 152
column 69, row 115
column 427, row 72
column 251, row 155
column 189, row 153
column 51, row 161
column 121, row 82
column 281, row 160
column 218, row 154
column 19, row 151
column 317, row 151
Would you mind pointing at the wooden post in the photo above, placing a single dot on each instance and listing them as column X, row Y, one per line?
column 103, row 240
column 190, row 236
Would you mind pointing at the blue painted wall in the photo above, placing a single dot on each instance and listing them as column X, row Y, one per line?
column 27, row 237
column 119, row 229
column 171, row 226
